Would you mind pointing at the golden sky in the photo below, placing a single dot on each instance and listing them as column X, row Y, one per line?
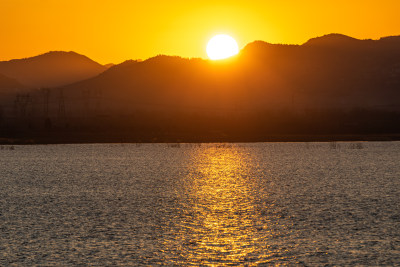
column 117, row 30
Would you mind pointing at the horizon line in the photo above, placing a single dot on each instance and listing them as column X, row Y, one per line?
column 183, row 57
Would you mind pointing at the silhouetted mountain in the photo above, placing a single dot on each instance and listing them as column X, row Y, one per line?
column 109, row 65
column 333, row 71
column 330, row 85
column 333, row 39
column 51, row 69
column 161, row 82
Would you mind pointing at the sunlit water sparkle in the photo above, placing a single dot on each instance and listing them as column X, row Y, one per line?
column 208, row 204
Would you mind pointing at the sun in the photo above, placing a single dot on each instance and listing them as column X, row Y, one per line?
column 222, row 46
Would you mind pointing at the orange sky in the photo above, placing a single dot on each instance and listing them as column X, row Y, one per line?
column 113, row 31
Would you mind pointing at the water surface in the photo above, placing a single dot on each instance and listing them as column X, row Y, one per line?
column 208, row 204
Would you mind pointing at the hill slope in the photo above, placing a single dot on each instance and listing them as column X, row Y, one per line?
column 332, row 86
column 332, row 71
column 51, row 69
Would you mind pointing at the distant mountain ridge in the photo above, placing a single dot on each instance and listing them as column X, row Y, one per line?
column 51, row 69
column 330, row 85
column 332, row 71
column 332, row 39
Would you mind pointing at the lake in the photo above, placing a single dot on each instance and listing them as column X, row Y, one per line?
column 200, row 204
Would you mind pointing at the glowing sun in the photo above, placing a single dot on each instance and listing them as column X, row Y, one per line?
column 222, row 46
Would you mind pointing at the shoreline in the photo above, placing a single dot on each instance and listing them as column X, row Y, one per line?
column 264, row 139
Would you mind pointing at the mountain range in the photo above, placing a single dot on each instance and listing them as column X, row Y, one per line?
column 333, row 71
column 332, row 83
column 51, row 69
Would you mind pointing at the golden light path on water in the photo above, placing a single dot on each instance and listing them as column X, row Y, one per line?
column 222, row 223
column 265, row 204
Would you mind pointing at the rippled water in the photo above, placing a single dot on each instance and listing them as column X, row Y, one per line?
column 209, row 204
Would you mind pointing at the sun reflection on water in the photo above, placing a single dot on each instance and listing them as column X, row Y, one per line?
column 221, row 222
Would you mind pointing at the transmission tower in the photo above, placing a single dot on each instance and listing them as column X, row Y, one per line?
column 46, row 95
column 61, row 104
column 21, row 103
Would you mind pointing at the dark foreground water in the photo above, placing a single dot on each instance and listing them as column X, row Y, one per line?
column 210, row 204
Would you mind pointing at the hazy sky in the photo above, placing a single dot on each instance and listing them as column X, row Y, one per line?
column 113, row 31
